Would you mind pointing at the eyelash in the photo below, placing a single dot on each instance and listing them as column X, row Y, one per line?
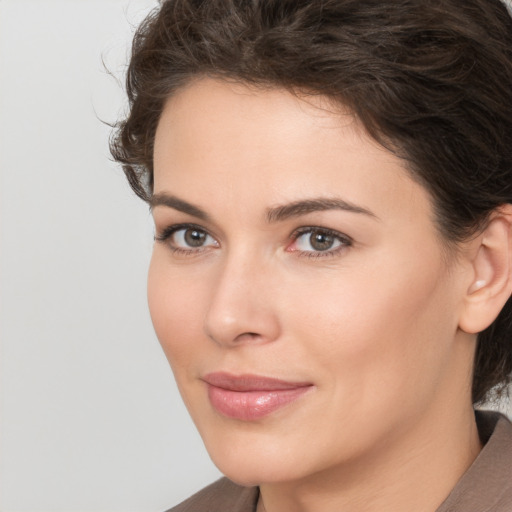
column 169, row 231
column 344, row 240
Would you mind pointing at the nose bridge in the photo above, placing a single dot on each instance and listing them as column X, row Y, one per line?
column 240, row 308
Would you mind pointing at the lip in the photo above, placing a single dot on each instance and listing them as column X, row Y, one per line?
column 251, row 397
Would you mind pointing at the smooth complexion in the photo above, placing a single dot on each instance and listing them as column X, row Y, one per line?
column 291, row 247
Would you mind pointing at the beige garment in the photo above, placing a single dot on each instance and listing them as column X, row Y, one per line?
column 485, row 487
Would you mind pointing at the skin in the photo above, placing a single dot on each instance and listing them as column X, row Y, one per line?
column 373, row 324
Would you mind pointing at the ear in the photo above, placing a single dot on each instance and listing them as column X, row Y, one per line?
column 491, row 281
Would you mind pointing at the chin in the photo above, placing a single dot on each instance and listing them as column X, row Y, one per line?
column 249, row 473
column 251, row 459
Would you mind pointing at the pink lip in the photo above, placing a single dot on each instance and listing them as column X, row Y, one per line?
column 250, row 397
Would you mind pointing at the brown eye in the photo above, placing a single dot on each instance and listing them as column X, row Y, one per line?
column 188, row 238
column 321, row 241
column 316, row 240
column 194, row 237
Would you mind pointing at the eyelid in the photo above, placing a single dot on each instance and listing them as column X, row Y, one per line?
column 345, row 240
column 308, row 229
column 170, row 230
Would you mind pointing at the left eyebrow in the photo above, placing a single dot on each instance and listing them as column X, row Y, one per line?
column 298, row 208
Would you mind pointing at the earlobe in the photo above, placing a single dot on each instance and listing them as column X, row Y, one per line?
column 491, row 284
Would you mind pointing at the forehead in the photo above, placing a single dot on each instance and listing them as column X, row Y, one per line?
column 230, row 143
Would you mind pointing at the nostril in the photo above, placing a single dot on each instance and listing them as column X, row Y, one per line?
column 247, row 336
column 243, row 337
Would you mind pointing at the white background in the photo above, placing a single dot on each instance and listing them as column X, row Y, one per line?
column 90, row 417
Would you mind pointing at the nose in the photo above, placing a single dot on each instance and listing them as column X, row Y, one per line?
column 242, row 307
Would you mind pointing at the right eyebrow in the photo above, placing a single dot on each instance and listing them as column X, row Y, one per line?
column 171, row 201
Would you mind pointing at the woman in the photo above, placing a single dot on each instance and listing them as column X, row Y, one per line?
column 331, row 185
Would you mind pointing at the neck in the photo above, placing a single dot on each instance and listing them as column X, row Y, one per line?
column 416, row 471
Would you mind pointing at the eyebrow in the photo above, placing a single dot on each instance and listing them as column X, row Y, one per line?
column 178, row 204
column 274, row 214
column 298, row 208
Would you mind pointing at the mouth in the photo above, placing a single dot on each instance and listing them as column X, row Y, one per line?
column 251, row 397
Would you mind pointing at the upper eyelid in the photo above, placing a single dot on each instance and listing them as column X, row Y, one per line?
column 175, row 226
column 345, row 242
column 308, row 229
column 167, row 233
column 170, row 229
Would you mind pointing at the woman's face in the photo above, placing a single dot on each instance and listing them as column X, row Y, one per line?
column 298, row 285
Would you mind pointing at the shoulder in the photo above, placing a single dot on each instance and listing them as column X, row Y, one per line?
column 220, row 496
column 500, row 464
column 487, row 485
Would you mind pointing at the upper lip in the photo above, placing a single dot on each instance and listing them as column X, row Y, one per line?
column 248, row 382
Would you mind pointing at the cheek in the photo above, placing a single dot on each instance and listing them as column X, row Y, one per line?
column 377, row 331
column 175, row 306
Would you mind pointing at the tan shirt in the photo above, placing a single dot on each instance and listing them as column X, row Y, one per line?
column 485, row 487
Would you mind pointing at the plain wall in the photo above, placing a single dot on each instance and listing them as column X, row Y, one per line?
column 90, row 417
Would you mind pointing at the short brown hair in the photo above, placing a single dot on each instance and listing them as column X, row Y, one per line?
column 432, row 81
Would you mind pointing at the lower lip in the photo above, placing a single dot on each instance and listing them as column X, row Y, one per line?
column 252, row 405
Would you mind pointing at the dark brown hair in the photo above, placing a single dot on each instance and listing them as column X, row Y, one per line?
column 430, row 80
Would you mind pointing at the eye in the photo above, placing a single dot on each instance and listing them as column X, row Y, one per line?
column 191, row 237
column 187, row 238
column 314, row 241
